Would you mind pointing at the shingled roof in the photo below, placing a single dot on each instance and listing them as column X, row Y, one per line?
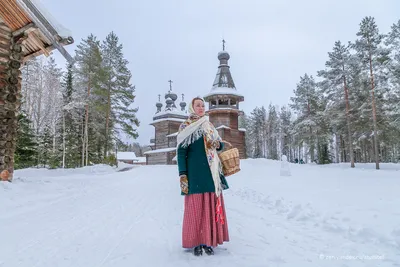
column 41, row 33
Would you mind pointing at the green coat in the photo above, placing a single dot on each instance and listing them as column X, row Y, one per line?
column 192, row 161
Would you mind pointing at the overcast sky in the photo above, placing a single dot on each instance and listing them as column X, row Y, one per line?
column 271, row 43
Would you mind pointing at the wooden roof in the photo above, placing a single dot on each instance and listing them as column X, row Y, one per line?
column 23, row 17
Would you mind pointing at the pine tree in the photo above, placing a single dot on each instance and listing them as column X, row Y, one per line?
column 89, row 75
column 273, row 124
column 369, row 49
column 45, row 147
column 25, row 152
column 323, row 130
column 305, row 103
column 119, row 90
column 69, row 125
column 257, row 132
column 393, row 41
column 336, row 87
column 245, row 123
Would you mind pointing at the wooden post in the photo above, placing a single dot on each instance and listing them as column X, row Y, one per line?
column 10, row 96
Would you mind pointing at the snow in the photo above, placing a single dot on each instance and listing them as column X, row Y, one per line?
column 141, row 159
column 126, row 155
column 285, row 166
column 320, row 216
column 173, row 134
column 222, row 127
column 167, row 119
column 242, row 129
column 215, row 108
column 61, row 30
column 223, row 91
column 171, row 112
column 162, row 150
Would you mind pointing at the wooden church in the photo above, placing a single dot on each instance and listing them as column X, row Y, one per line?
column 223, row 109
column 166, row 122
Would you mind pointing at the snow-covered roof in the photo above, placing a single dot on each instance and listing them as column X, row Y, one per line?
column 223, row 127
column 223, row 91
column 126, row 156
column 167, row 119
column 50, row 34
column 61, row 30
column 225, row 108
column 172, row 135
column 172, row 112
column 242, row 129
column 161, row 150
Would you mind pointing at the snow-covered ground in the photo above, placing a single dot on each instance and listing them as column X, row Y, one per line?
column 320, row 216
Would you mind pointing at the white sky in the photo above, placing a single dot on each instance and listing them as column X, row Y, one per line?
column 271, row 43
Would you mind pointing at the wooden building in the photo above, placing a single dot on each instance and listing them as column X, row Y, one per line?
column 223, row 105
column 26, row 31
column 166, row 123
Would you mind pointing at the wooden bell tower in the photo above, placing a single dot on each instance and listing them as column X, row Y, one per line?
column 223, row 105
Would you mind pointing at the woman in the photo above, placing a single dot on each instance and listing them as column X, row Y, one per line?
column 204, row 221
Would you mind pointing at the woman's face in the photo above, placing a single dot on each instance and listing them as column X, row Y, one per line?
column 198, row 107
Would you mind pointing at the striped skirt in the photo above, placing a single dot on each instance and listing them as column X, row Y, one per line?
column 200, row 224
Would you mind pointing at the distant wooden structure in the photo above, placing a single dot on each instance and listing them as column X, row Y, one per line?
column 166, row 123
column 223, row 105
column 26, row 31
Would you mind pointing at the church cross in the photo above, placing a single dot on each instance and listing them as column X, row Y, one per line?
column 170, row 85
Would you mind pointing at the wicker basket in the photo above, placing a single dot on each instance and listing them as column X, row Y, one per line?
column 230, row 160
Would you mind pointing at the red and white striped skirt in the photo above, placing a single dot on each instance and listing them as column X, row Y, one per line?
column 200, row 225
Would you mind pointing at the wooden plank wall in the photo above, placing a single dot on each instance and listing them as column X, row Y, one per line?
column 163, row 129
column 219, row 119
column 225, row 117
column 161, row 158
column 157, row 159
column 236, row 138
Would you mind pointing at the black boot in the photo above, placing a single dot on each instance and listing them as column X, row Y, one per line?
column 208, row 250
column 198, row 251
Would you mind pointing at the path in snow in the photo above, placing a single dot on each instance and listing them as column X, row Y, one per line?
column 133, row 218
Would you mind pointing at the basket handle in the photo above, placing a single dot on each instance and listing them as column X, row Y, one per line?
column 226, row 142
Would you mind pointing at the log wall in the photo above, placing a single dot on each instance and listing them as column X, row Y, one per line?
column 160, row 158
column 229, row 118
column 10, row 95
column 162, row 129
column 236, row 138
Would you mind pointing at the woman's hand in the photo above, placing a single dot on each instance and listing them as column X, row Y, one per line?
column 184, row 184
